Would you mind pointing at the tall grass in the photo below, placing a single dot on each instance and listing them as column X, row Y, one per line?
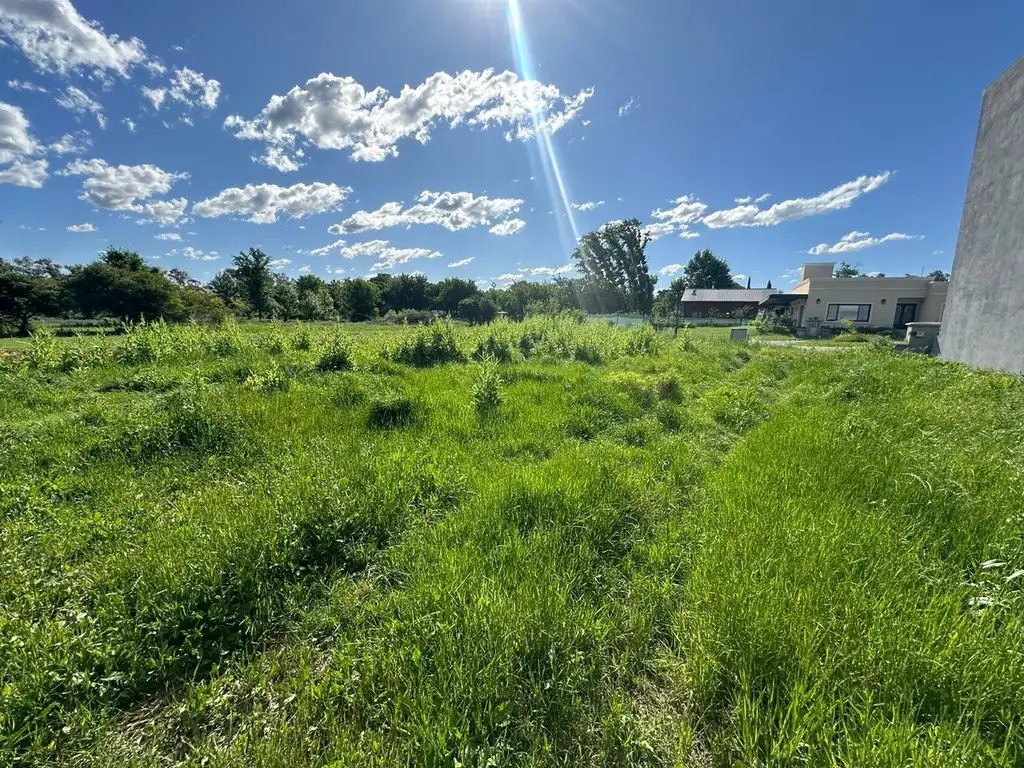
column 523, row 544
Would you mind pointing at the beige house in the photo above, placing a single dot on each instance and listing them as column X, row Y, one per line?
column 820, row 300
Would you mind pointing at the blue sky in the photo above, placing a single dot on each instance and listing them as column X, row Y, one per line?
column 189, row 131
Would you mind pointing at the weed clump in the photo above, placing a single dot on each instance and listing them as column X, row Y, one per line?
column 336, row 357
column 426, row 346
column 392, row 409
column 487, row 388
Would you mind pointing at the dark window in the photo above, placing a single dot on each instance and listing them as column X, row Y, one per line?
column 860, row 313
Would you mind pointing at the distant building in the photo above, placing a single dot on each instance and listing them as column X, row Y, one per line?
column 724, row 302
column 983, row 324
column 820, row 300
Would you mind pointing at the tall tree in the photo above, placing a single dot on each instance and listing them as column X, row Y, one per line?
column 939, row 276
column 615, row 257
column 845, row 269
column 29, row 289
column 451, row 291
column 182, row 279
column 358, row 300
column 407, row 292
column 705, row 270
column 252, row 270
column 121, row 284
column 748, row 283
column 769, row 286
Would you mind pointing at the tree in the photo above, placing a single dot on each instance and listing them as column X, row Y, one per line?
column 846, row 270
column 358, row 300
column 201, row 305
column 406, row 292
column 748, row 283
column 705, row 270
column 284, row 298
column 477, row 309
column 29, row 289
column 614, row 257
column 451, row 291
column 252, row 270
column 939, row 276
column 182, row 279
column 121, row 284
column 121, row 258
column 769, row 286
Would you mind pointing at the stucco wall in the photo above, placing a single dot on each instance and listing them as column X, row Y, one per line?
column 867, row 290
column 984, row 320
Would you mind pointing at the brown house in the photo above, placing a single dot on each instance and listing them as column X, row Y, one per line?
column 724, row 302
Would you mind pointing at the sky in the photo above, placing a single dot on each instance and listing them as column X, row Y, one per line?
column 481, row 138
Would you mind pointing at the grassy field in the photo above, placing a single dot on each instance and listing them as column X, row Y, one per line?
column 524, row 544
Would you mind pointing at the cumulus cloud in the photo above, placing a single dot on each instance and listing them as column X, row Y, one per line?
column 545, row 271
column 78, row 101
column 688, row 234
column 279, row 263
column 129, row 124
column 858, row 241
column 688, row 209
column 305, row 268
column 198, row 255
column 332, row 112
column 671, row 269
column 188, row 87
column 55, row 38
column 279, row 160
column 659, row 229
column 263, row 203
column 337, row 245
column 121, row 187
column 24, row 85
column 168, row 236
column 16, row 140
column 760, row 199
column 81, row 228
column 462, row 263
column 789, row 210
column 763, row 197
column 587, row 206
column 451, row 210
column 70, row 144
column 507, row 227
column 156, row 96
column 24, row 174
column 388, row 256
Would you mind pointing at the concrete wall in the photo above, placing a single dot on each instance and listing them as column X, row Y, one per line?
column 984, row 320
column 882, row 293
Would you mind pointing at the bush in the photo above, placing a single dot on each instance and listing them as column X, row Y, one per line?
column 392, row 408
column 487, row 388
column 302, row 339
column 427, row 346
column 668, row 388
column 409, row 317
column 336, row 357
column 642, row 340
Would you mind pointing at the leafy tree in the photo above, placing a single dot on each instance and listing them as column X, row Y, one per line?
column 309, row 284
column 845, row 269
column 252, row 270
column 939, row 276
column 477, row 309
column 451, row 291
column 614, row 257
column 182, row 279
column 284, row 298
column 29, row 289
column 705, row 270
column 769, row 286
column 316, row 304
column 121, row 258
column 199, row 304
column 227, row 286
column 748, row 283
column 121, row 284
column 358, row 300
column 407, row 292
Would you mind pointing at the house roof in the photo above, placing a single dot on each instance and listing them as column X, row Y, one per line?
column 752, row 296
column 783, row 299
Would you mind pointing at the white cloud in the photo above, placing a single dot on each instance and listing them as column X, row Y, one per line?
column 464, row 262
column 193, row 89
column 388, row 256
column 156, row 96
column 937, row 253
column 688, row 209
column 336, row 245
column 763, row 197
column 155, row 67
column 654, row 231
column 55, row 38
column 789, row 210
column 507, row 227
column 587, row 206
column 332, row 112
column 121, row 187
column 857, row 241
column 166, row 213
column 178, row 48
column 626, row 108
column 129, row 124
column 24, row 85
column 277, row 159
column 24, row 174
column 78, row 101
column 197, row 255
column 71, row 144
column 305, row 268
column 671, row 269
column 262, row 203
column 743, row 200
column 451, row 210
column 688, row 234
column 15, row 139
column 546, row 271
column 279, row 263
column 168, row 236
column 81, row 228
column 738, row 278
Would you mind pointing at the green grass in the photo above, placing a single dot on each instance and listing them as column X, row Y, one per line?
column 598, row 546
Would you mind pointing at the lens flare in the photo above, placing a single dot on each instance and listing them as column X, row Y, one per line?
column 549, row 160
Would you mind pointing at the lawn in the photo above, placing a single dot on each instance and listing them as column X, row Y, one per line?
column 520, row 544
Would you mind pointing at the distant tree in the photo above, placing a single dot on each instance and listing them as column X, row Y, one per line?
column 201, row 305
column 226, row 286
column 939, row 276
column 407, row 292
column 182, row 279
column 845, row 269
column 748, row 283
column 29, row 289
column 769, row 286
column 705, row 270
column 450, row 291
column 614, row 257
column 284, row 297
column 252, row 271
column 477, row 309
column 358, row 300
column 121, row 284
column 121, row 258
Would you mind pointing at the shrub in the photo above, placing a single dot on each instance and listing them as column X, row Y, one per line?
column 431, row 345
column 642, row 340
column 393, row 408
column 336, row 357
column 487, row 388
column 668, row 388
column 302, row 339
column 271, row 380
column 409, row 317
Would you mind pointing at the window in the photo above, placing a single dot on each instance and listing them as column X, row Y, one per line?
column 860, row 313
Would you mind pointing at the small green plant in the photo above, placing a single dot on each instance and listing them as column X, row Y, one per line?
column 302, row 339
column 391, row 408
column 273, row 379
column 487, row 388
column 336, row 357
column 668, row 388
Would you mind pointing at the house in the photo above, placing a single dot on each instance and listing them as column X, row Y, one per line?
column 724, row 302
column 820, row 300
column 986, row 303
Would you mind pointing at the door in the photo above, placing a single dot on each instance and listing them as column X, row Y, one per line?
column 905, row 313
